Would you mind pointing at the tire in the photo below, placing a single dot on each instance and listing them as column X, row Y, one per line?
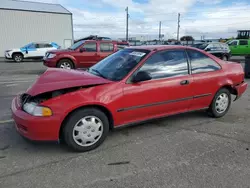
column 224, row 58
column 220, row 104
column 17, row 57
column 65, row 64
column 80, row 129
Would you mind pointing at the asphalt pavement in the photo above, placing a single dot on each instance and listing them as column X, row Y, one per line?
column 187, row 150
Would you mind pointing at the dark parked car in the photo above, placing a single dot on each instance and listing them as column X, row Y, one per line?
column 218, row 49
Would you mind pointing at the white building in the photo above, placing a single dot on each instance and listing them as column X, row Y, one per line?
column 22, row 22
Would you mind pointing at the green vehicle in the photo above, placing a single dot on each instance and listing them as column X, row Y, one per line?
column 239, row 46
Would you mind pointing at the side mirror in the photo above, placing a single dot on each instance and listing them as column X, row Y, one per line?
column 82, row 50
column 141, row 76
column 208, row 49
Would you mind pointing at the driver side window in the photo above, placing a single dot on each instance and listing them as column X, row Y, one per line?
column 90, row 47
column 234, row 43
column 33, row 45
column 166, row 64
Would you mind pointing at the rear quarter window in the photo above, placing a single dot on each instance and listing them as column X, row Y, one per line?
column 106, row 47
column 201, row 63
column 243, row 42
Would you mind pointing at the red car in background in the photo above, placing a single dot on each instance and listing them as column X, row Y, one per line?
column 122, row 44
column 128, row 87
column 82, row 54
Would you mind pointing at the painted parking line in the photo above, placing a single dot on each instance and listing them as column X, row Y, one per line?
column 10, row 85
column 20, row 81
column 6, row 121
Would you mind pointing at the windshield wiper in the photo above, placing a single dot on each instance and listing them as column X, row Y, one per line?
column 99, row 73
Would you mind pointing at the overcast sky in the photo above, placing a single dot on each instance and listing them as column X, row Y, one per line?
column 212, row 18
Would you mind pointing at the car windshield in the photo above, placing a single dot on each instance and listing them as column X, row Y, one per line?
column 76, row 45
column 27, row 45
column 202, row 46
column 116, row 66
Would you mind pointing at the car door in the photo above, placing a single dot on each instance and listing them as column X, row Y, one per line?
column 206, row 74
column 168, row 92
column 243, row 47
column 219, row 51
column 88, row 56
column 214, row 49
column 41, row 49
column 248, row 50
column 30, row 50
column 234, row 47
column 106, row 48
column 49, row 47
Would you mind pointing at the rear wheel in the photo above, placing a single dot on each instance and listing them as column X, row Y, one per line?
column 86, row 129
column 224, row 58
column 65, row 64
column 18, row 57
column 220, row 104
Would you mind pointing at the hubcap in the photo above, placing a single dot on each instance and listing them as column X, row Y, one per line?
column 87, row 131
column 65, row 65
column 18, row 58
column 221, row 103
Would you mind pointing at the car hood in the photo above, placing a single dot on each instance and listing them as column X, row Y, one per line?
column 55, row 79
column 15, row 49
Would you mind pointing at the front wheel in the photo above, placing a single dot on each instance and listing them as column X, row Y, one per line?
column 86, row 129
column 18, row 57
column 65, row 64
column 220, row 104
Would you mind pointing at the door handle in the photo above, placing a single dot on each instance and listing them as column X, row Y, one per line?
column 184, row 82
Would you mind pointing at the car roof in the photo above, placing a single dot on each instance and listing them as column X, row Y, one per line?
column 215, row 43
column 98, row 41
column 43, row 42
column 159, row 47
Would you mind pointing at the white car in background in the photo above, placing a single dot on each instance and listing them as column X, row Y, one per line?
column 31, row 51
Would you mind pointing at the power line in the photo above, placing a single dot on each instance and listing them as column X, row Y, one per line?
column 110, row 26
column 186, row 19
column 216, row 18
column 194, row 12
column 218, row 25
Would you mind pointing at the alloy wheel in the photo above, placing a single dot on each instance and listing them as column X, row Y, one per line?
column 65, row 65
column 18, row 58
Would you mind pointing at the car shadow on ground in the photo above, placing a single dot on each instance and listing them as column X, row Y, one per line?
column 31, row 72
column 24, row 61
column 12, row 140
column 167, row 122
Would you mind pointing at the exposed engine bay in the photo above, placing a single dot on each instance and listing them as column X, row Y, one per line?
column 25, row 98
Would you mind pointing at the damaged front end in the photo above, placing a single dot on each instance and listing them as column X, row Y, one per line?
column 33, row 104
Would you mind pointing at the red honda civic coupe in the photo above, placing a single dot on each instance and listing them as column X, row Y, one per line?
column 128, row 87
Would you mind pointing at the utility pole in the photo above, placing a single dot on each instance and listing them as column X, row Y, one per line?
column 160, row 31
column 178, row 26
column 127, row 16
